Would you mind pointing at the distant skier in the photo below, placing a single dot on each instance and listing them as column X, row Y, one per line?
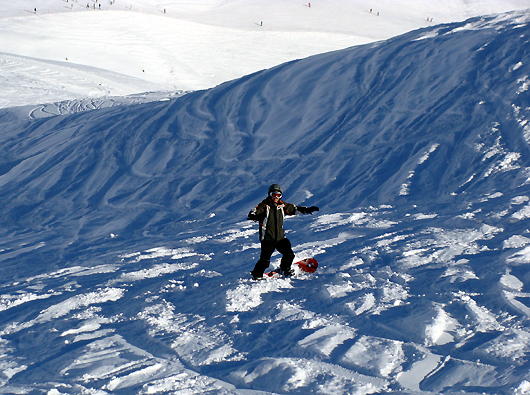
column 270, row 214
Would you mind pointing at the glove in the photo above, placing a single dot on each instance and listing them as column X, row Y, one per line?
column 307, row 210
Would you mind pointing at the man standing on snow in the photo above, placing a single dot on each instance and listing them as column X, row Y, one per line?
column 270, row 213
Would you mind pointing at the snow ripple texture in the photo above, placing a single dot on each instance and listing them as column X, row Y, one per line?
column 125, row 250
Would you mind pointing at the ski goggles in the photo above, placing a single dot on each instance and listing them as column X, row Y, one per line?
column 276, row 194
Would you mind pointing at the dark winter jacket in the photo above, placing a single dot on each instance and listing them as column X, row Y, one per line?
column 270, row 217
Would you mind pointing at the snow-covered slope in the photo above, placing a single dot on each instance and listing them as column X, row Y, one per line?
column 125, row 247
column 436, row 116
column 66, row 51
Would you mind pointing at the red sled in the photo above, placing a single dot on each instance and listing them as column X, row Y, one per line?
column 308, row 265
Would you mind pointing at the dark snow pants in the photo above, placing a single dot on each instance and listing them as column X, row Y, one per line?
column 267, row 249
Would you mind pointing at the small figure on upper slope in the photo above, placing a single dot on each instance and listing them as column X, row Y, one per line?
column 270, row 214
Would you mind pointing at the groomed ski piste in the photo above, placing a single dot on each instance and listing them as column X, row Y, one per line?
column 125, row 249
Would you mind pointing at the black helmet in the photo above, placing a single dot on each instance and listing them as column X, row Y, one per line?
column 275, row 188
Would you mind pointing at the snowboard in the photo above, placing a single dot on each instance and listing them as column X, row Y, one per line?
column 308, row 265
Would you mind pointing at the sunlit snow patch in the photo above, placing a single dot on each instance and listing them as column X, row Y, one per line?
column 524, row 213
column 516, row 241
column 290, row 374
column 194, row 341
column 511, row 290
column 438, row 332
column 246, row 296
column 381, row 356
column 160, row 252
column 153, row 272
column 80, row 301
column 447, row 245
column 485, row 320
column 329, row 221
column 10, row 301
column 519, row 199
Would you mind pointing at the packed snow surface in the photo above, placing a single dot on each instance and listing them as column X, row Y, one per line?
column 124, row 243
